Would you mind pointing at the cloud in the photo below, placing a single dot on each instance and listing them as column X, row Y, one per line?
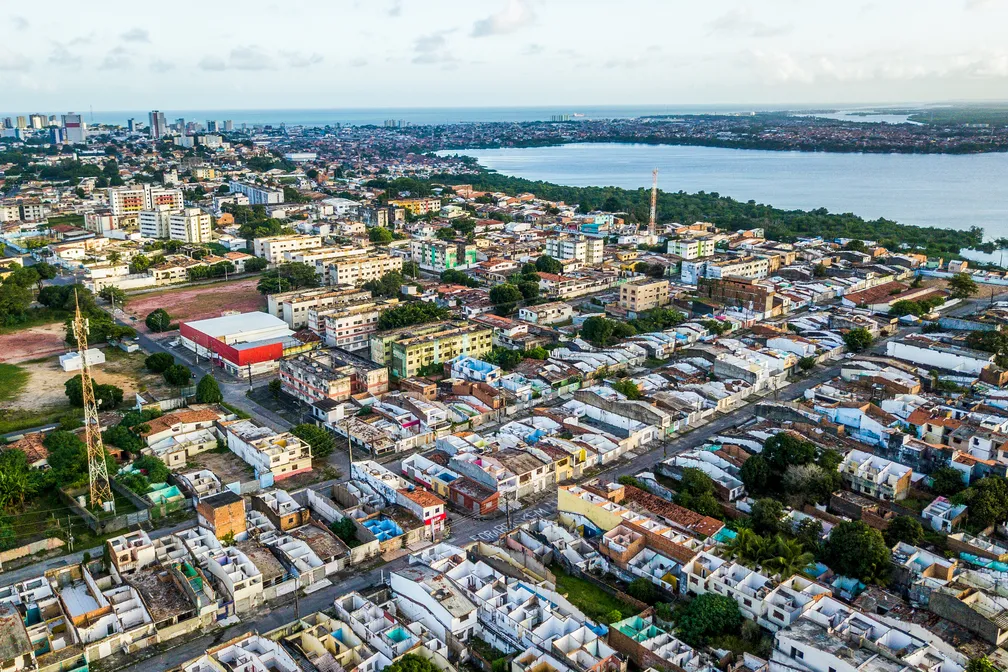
column 396, row 8
column 634, row 61
column 295, row 59
column 135, row 35
column 82, row 39
column 212, row 63
column 432, row 49
column 158, row 65
column 10, row 60
column 515, row 14
column 532, row 49
column 358, row 63
column 980, row 4
column 250, row 58
column 20, row 22
column 116, row 59
column 62, row 57
column 740, row 21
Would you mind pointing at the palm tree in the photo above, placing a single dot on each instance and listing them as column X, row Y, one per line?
column 14, row 488
column 786, row 557
column 747, row 547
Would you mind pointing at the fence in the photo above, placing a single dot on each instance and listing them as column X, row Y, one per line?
column 113, row 522
column 30, row 549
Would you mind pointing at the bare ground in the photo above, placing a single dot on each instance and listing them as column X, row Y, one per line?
column 33, row 343
column 197, row 303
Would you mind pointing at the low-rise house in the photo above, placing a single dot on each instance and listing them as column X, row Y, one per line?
column 268, row 453
column 473, row 497
column 980, row 612
column 224, row 514
column 555, row 312
column 649, row 646
column 283, row 511
column 427, row 507
column 432, row 598
column 875, row 476
column 789, row 600
column 943, row 515
column 131, row 552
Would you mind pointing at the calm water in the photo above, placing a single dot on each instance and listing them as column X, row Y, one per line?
column 923, row 189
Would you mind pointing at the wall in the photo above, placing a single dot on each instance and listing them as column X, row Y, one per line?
column 30, row 549
column 953, row 609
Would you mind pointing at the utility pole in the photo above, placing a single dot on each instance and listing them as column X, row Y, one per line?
column 297, row 602
column 250, row 375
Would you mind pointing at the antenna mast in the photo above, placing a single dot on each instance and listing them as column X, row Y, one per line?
column 101, row 490
column 653, row 225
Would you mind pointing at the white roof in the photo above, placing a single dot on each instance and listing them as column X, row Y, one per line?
column 230, row 325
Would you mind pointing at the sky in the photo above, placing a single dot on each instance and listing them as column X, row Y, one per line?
column 272, row 54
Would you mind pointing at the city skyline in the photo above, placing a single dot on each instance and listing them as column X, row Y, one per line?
column 497, row 53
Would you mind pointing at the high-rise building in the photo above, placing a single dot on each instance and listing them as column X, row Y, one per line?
column 37, row 121
column 131, row 125
column 156, row 223
column 158, row 125
column 55, row 135
column 127, row 201
column 180, row 124
column 54, row 120
column 191, row 225
column 8, row 122
column 74, row 130
column 22, row 122
column 211, row 126
column 228, row 125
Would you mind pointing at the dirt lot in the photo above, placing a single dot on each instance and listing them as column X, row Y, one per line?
column 45, row 384
column 228, row 466
column 33, row 343
column 197, row 303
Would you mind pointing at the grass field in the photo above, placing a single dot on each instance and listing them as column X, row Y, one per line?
column 15, row 420
column 12, row 380
column 589, row 598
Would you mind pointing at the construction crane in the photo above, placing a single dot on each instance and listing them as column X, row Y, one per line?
column 653, row 224
column 101, row 490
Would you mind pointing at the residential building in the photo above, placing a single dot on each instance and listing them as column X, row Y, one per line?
column 294, row 307
column 408, row 350
column 191, row 225
column 129, row 201
column 725, row 267
column 282, row 455
column 358, row 270
column 435, row 600
column 875, row 476
column 556, row 312
column 691, row 248
column 741, row 292
column 257, row 195
column 156, row 223
column 74, row 129
column 273, row 248
column 158, row 124
column 438, row 256
column 417, row 206
column 638, row 296
column 587, row 250
column 348, row 326
column 223, row 514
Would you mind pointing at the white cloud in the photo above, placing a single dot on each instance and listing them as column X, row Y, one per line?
column 11, row 60
column 295, row 59
column 62, row 57
column 250, row 58
column 158, row 65
column 136, row 35
column 20, row 22
column 741, row 21
column 212, row 63
column 514, row 15
column 396, row 8
column 432, row 49
column 116, row 59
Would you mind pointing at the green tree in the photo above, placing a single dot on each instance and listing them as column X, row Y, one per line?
column 601, row 332
column 987, row 500
column 628, row 389
column 158, row 320
column 412, row 663
column 505, row 358
column 809, row 535
column 642, row 589
column 858, row 340
column 388, row 286
column 113, row 295
column 859, row 551
column 962, row 286
column 255, row 264
column 905, row 529
column 14, row 302
column 275, row 386
column 159, row 362
column 407, row 314
column 784, row 449
column 529, row 290
column 152, row 467
column 947, row 481
column 786, row 557
column 208, row 391
column 108, row 397
column 67, row 457
column 177, row 375
column 140, row 263
column 380, row 235
column 767, row 515
column 855, row 245
column 505, row 294
column 982, row 664
column 807, row 363
column 547, row 264
column 321, row 441
column 709, row 615
column 755, row 475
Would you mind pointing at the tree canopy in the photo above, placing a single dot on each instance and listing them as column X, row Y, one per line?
column 208, row 391
column 858, row 340
column 857, row 550
column 708, row 616
column 414, row 312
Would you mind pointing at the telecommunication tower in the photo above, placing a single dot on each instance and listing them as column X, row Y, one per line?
column 101, row 490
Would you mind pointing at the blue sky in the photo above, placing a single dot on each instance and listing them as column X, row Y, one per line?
column 115, row 55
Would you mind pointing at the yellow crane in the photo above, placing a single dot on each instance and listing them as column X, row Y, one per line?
column 101, row 489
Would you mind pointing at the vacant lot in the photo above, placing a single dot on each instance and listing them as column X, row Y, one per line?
column 32, row 343
column 197, row 303
column 228, row 466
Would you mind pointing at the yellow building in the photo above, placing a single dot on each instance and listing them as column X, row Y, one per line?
column 645, row 294
column 408, row 350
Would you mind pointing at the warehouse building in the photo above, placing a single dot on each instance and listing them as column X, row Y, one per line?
column 242, row 344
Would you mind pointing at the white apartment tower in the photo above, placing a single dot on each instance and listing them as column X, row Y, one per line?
column 158, row 124
column 75, row 132
column 156, row 222
column 191, row 225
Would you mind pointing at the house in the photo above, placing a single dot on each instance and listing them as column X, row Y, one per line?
column 875, row 476
column 434, row 599
column 282, row 510
column 943, row 515
column 224, row 514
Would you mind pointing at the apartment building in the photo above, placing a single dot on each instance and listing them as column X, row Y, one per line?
column 282, row 455
column 875, row 476
column 129, row 201
column 408, row 350
column 638, row 296
column 358, row 270
column 349, row 326
column 294, row 307
column 754, row 268
column 191, row 225
column 438, row 255
column 273, row 248
column 314, row 376
column 589, row 251
column 741, row 292
column 257, row 195
column 156, row 222
column 99, row 221
column 417, row 206
column 691, row 248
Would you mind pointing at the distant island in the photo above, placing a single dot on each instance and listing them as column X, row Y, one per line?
column 944, row 130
